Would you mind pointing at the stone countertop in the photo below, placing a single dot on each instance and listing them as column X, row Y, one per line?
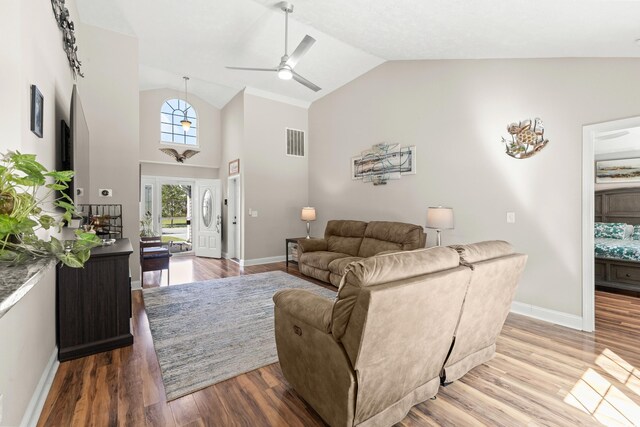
column 16, row 281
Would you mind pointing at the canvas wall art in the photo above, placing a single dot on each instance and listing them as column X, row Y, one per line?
column 620, row 170
column 384, row 162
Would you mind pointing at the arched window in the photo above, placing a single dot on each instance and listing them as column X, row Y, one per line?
column 172, row 113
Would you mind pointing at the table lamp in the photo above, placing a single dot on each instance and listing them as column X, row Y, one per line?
column 308, row 214
column 439, row 218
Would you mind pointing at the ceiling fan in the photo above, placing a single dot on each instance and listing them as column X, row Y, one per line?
column 288, row 62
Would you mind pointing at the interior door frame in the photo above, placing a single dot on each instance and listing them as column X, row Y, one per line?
column 589, row 133
column 236, row 205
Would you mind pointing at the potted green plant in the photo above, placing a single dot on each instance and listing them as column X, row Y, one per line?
column 25, row 187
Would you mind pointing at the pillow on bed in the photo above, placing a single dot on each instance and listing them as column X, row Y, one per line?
column 636, row 232
column 610, row 230
column 628, row 231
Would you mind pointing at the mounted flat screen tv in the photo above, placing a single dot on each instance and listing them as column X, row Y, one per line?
column 75, row 152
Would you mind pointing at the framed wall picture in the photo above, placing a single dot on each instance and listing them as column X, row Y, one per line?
column 37, row 111
column 619, row 170
column 234, row 167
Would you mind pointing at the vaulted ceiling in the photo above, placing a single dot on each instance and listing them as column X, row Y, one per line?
column 199, row 38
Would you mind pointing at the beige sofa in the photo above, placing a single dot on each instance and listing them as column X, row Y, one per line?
column 346, row 241
column 365, row 358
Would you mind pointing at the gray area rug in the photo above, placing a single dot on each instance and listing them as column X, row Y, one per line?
column 207, row 332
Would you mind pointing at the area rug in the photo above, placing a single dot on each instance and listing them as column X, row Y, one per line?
column 207, row 332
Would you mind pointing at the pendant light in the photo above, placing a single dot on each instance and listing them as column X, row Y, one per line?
column 186, row 124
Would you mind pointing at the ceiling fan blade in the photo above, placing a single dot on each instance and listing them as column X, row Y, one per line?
column 252, row 69
column 297, row 77
column 302, row 48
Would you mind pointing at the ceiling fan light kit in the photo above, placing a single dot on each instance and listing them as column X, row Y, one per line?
column 288, row 62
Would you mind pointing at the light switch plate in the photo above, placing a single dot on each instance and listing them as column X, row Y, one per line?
column 511, row 217
column 254, row 214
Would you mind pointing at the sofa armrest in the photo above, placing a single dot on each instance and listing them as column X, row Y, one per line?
column 312, row 245
column 306, row 306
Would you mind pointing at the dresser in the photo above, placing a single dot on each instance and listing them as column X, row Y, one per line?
column 93, row 304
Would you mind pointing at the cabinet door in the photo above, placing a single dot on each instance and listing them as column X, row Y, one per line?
column 93, row 302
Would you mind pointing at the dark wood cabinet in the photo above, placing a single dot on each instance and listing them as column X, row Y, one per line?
column 93, row 304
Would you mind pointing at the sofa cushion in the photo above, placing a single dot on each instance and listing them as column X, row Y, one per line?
column 344, row 236
column 382, row 269
column 482, row 251
column 320, row 259
column 380, row 236
column 337, row 266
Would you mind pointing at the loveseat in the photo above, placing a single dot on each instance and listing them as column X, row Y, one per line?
column 387, row 339
column 346, row 241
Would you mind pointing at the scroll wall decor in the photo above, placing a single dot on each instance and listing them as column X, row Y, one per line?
column 384, row 162
column 67, row 27
column 527, row 138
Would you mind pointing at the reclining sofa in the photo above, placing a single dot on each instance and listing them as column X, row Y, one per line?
column 346, row 241
column 401, row 324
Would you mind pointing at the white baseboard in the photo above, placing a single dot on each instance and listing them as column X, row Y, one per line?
column 225, row 255
column 558, row 317
column 32, row 414
column 136, row 285
column 258, row 261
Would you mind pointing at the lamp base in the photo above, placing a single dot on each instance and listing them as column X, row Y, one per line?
column 308, row 227
column 438, row 241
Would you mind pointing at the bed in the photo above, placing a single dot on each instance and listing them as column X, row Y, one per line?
column 617, row 261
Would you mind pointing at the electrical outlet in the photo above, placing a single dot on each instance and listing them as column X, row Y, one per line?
column 105, row 192
column 511, row 217
column 254, row 214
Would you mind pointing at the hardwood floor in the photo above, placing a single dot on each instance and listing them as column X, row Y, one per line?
column 542, row 375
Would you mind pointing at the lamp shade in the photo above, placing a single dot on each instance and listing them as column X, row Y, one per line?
column 440, row 218
column 308, row 214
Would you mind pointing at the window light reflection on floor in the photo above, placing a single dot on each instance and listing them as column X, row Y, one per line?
column 595, row 395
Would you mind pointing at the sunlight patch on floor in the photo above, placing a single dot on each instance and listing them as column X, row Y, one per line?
column 595, row 395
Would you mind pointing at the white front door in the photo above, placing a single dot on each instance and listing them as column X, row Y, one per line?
column 208, row 234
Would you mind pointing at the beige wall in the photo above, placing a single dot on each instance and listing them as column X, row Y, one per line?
column 208, row 130
column 276, row 185
column 178, row 171
column 455, row 113
column 28, row 337
column 110, row 99
column 33, row 55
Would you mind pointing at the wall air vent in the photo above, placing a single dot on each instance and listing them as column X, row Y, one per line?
column 295, row 142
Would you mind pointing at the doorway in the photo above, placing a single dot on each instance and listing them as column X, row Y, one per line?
column 234, row 218
column 594, row 137
column 173, row 209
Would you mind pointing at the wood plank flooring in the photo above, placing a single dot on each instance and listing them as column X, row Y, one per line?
column 542, row 375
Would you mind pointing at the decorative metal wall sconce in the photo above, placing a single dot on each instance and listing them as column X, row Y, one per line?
column 527, row 138
column 67, row 27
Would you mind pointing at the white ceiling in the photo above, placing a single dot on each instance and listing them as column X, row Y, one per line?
column 618, row 141
column 199, row 37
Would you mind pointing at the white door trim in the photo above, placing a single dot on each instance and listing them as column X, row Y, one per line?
column 588, row 194
column 234, row 251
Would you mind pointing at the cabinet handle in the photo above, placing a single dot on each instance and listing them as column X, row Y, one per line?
column 627, row 275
